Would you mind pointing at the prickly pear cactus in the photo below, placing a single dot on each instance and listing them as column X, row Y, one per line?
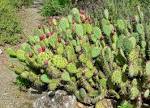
column 90, row 62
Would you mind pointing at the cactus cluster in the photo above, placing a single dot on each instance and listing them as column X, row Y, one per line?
column 90, row 62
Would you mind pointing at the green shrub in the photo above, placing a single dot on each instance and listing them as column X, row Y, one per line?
column 55, row 7
column 20, row 3
column 9, row 24
column 90, row 62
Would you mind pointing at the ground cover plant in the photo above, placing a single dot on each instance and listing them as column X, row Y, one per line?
column 9, row 23
column 20, row 3
column 10, row 27
column 88, row 61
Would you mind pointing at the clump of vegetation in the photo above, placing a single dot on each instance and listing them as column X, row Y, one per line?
column 9, row 23
column 20, row 3
column 90, row 62
column 56, row 7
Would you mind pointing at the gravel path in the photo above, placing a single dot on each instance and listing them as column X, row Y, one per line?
column 10, row 96
column 31, row 18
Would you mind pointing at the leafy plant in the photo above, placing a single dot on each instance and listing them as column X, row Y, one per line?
column 90, row 62
column 21, row 82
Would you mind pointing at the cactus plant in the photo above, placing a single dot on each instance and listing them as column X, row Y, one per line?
column 90, row 62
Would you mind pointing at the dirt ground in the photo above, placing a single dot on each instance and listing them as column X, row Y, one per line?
column 10, row 95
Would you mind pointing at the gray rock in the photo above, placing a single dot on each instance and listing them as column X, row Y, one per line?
column 59, row 99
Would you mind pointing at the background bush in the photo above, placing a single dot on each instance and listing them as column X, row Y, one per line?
column 20, row 3
column 56, row 7
column 117, row 8
column 9, row 24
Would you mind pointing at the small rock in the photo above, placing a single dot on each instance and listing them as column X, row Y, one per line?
column 1, row 51
column 59, row 99
column 80, row 105
column 104, row 103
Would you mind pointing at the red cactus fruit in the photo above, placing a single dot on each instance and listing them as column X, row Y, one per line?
column 42, row 37
column 43, row 49
column 46, row 62
column 83, row 17
column 52, row 33
column 49, row 34
column 82, row 11
column 40, row 50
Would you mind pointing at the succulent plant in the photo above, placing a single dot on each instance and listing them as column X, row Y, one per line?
column 90, row 62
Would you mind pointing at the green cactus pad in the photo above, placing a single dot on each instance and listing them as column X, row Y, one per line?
column 117, row 77
column 60, row 49
column 11, row 52
column 71, row 68
column 75, row 12
column 107, row 53
column 133, row 70
column 106, row 13
column 71, row 56
column 59, row 61
column 21, row 55
column 97, row 32
column 129, row 44
column 53, row 40
column 65, row 76
column 148, row 68
column 106, row 27
column 79, row 30
column 121, row 25
column 70, row 18
column 42, row 57
column 126, row 104
column 31, row 40
column 134, row 93
column 25, row 75
column 94, row 93
column 140, row 28
column 95, row 52
column 89, row 74
column 44, row 78
column 88, row 28
column 147, row 93
column 82, row 92
column 32, row 77
column 64, row 24
column 26, row 47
